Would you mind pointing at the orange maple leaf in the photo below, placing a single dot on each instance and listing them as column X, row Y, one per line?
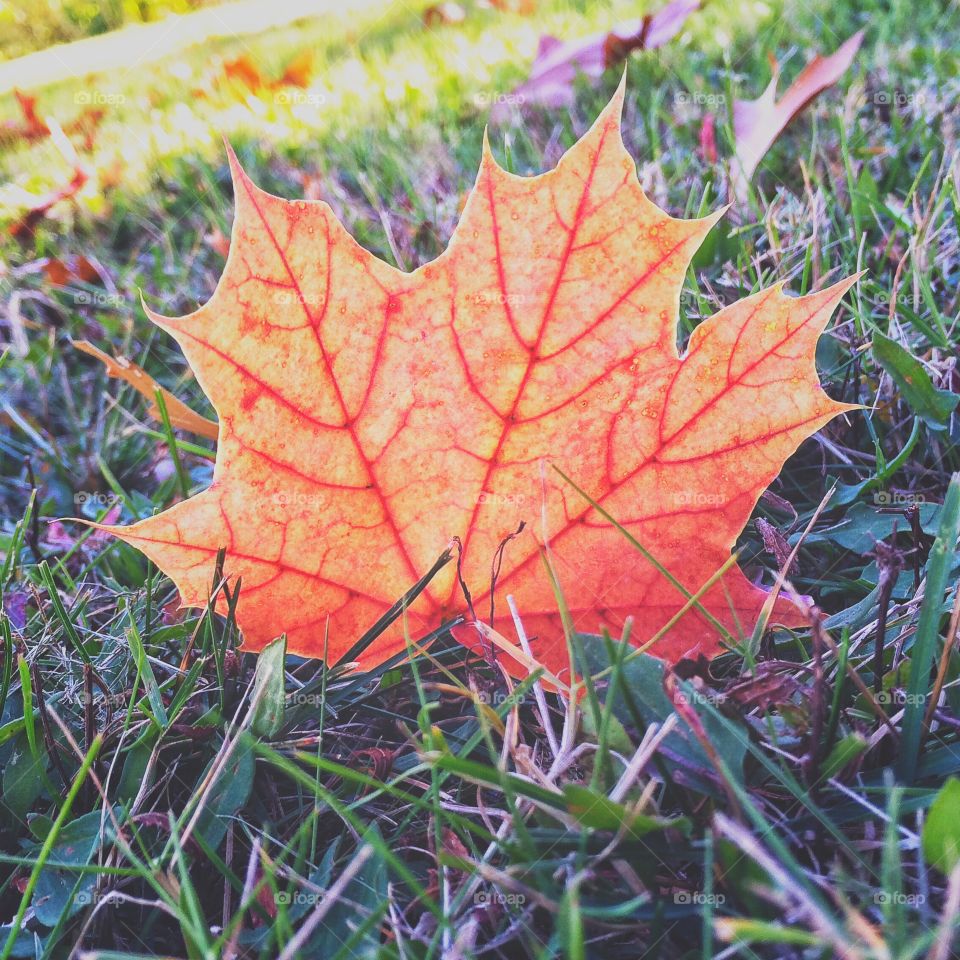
column 368, row 415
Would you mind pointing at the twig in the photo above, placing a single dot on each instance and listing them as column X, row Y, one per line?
column 537, row 686
column 52, row 748
column 944, row 659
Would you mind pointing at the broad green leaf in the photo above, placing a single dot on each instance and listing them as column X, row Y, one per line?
column 642, row 682
column 933, row 405
column 227, row 794
column 23, row 779
column 941, row 831
column 267, row 700
column 60, row 890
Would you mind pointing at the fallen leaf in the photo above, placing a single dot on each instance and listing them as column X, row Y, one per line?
column 86, row 126
column 444, row 14
column 774, row 542
column 771, row 684
column 63, row 272
column 110, row 175
column 181, row 416
column 37, row 206
column 14, row 605
column 173, row 612
column 299, row 71
column 522, row 7
column 758, row 123
column 244, row 71
column 557, row 63
column 60, row 538
column 368, row 415
column 33, row 126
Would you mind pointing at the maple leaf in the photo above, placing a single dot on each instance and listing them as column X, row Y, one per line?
column 758, row 123
column 557, row 63
column 368, row 415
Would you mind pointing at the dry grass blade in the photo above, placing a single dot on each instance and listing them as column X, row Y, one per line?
column 181, row 416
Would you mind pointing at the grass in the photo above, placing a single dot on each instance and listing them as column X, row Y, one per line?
column 27, row 27
column 164, row 795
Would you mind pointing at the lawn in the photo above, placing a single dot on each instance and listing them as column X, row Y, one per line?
column 164, row 795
